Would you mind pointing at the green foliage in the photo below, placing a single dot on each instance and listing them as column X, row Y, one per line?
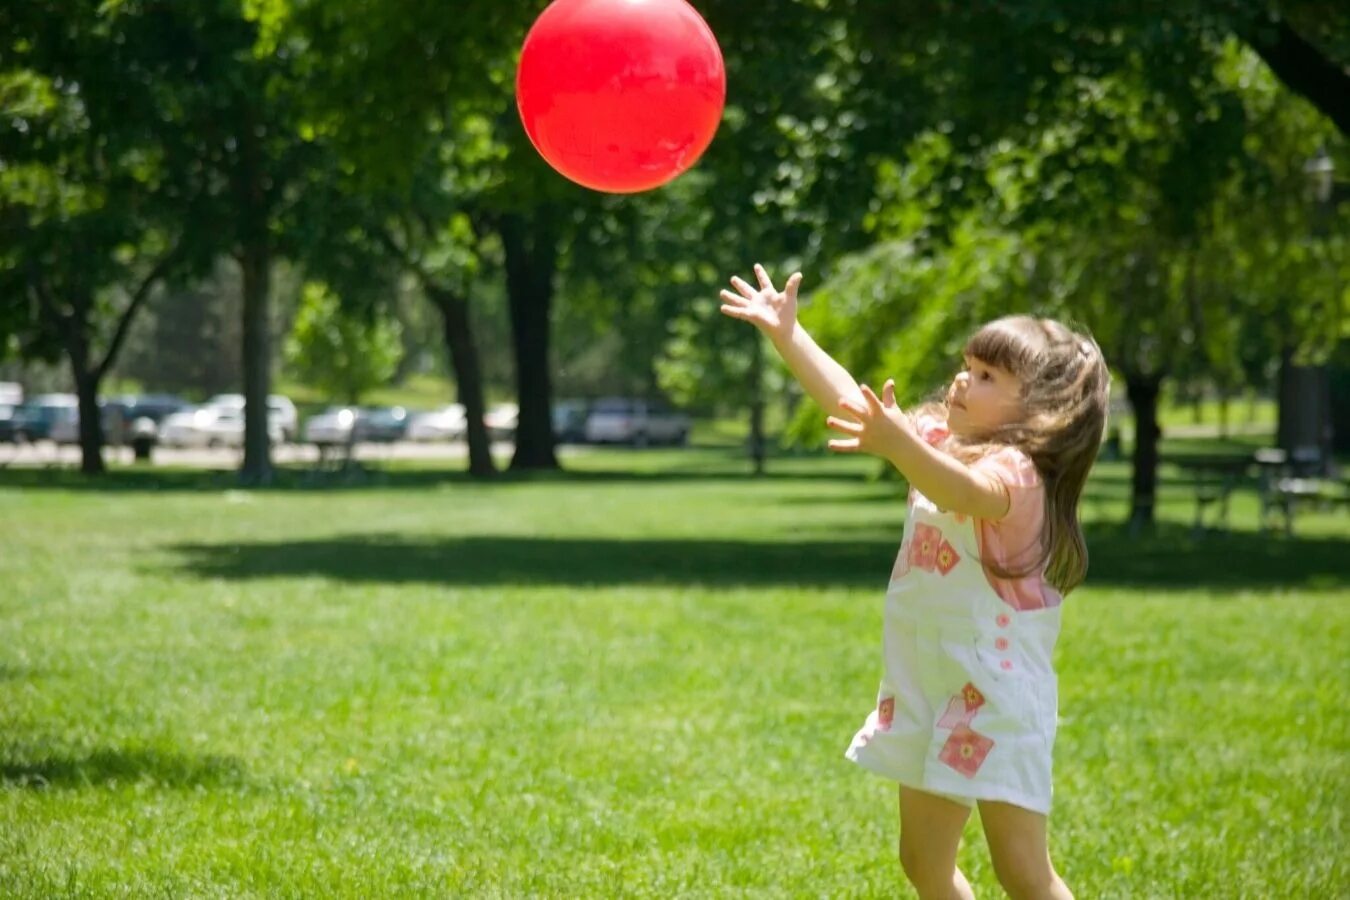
column 338, row 351
column 1166, row 280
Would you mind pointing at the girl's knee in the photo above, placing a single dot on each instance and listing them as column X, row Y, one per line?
column 1026, row 878
column 925, row 871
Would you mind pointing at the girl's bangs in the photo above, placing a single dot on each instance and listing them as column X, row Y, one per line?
column 999, row 344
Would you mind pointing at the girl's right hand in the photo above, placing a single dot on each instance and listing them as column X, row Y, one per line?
column 772, row 311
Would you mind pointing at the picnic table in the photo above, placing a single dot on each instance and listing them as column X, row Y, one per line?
column 1214, row 477
column 1284, row 482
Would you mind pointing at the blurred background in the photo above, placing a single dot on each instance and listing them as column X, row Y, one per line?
column 333, row 205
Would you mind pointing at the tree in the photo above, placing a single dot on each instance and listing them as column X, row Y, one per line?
column 1166, row 237
column 406, row 96
column 94, row 213
column 338, row 350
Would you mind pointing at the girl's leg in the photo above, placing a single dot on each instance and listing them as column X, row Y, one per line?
column 930, row 831
column 1017, row 844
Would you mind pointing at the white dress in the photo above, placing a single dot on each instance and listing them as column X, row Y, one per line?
column 967, row 705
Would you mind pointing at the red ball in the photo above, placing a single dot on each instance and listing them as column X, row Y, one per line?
column 620, row 95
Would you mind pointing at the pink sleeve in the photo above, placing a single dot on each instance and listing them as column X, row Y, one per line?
column 1015, row 469
column 1014, row 540
column 932, row 430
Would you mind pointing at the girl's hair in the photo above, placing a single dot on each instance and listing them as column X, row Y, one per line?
column 1065, row 389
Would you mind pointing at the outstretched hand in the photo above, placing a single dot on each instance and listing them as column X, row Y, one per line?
column 875, row 428
column 770, row 310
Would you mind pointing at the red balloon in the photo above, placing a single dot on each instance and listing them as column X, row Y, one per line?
column 620, row 95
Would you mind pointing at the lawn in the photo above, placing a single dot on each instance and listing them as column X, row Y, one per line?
column 635, row 679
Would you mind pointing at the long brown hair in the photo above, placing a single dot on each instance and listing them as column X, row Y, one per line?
column 1065, row 389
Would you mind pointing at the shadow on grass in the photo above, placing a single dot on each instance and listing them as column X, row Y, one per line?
column 1170, row 558
column 37, row 769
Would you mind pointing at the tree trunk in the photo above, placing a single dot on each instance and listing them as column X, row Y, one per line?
column 1304, row 69
column 468, row 371
column 1142, row 391
column 255, row 262
column 91, row 423
column 531, row 252
column 1304, row 407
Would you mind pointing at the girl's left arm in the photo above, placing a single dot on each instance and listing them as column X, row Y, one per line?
column 884, row 430
column 948, row 482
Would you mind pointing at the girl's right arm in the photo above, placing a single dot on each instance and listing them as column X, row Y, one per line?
column 774, row 312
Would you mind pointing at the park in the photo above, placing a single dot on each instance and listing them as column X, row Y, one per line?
column 387, row 511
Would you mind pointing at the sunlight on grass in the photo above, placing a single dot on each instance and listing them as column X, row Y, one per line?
column 636, row 678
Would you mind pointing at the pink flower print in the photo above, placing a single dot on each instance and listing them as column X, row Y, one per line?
column 947, row 557
column 972, row 697
column 1003, row 620
column 886, row 713
column 961, row 708
column 960, row 518
column 923, row 548
column 965, row 750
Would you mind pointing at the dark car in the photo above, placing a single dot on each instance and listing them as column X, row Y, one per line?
column 33, row 420
column 7, row 422
column 155, row 407
column 569, row 421
column 382, row 424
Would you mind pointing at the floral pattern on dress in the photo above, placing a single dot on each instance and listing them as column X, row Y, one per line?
column 923, row 547
column 962, row 707
column 886, row 713
column 965, row 750
column 947, row 557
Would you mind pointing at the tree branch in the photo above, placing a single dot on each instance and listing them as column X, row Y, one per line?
column 137, row 300
column 1304, row 68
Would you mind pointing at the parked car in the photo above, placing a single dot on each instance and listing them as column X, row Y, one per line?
column 112, row 413
column 7, row 422
column 447, row 424
column 155, row 407
column 569, row 421
column 332, row 426
column 11, row 393
column 33, row 420
column 638, row 422
column 501, row 421
column 281, row 412
column 381, row 424
column 208, row 426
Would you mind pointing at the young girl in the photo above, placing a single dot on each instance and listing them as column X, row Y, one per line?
column 967, row 706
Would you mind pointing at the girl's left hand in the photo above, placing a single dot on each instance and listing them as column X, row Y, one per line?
column 879, row 427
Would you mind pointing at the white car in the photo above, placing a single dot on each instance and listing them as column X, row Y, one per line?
column 332, row 426
column 621, row 420
column 447, row 424
column 281, row 412
column 501, row 421
column 209, row 426
column 189, row 427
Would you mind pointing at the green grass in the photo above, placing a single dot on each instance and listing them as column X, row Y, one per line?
column 635, row 679
column 1242, row 411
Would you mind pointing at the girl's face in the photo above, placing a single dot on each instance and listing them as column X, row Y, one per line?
column 983, row 398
